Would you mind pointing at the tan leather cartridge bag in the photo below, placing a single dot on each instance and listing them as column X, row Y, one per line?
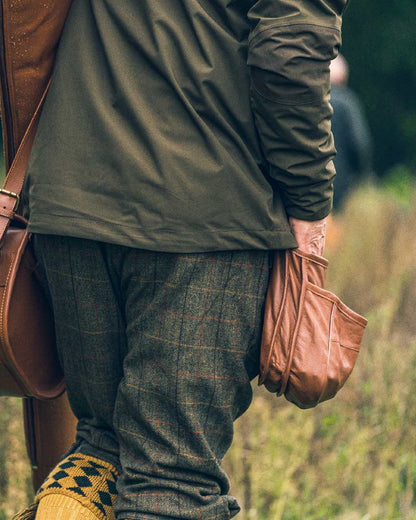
column 311, row 339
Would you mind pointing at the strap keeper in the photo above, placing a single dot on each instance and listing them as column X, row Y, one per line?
column 12, row 195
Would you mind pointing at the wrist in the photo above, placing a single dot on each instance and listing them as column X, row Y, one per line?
column 310, row 235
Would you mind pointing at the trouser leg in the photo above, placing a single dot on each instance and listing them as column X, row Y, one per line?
column 193, row 328
column 90, row 334
column 188, row 328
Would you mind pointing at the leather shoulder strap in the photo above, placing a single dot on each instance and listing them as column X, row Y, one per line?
column 13, row 184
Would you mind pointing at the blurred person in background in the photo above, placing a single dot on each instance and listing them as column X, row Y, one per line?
column 353, row 161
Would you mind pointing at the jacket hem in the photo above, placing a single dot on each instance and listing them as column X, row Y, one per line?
column 175, row 241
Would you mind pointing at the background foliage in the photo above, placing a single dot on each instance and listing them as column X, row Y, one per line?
column 379, row 42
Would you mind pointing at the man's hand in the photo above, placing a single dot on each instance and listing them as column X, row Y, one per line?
column 310, row 236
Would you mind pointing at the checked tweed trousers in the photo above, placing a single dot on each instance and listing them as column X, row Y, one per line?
column 158, row 351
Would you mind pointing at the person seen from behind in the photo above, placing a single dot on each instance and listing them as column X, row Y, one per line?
column 180, row 144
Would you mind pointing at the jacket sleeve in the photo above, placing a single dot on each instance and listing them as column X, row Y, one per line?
column 291, row 44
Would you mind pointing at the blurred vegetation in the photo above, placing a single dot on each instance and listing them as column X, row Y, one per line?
column 352, row 458
column 15, row 485
column 379, row 41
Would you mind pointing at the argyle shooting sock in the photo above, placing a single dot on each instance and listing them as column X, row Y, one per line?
column 80, row 487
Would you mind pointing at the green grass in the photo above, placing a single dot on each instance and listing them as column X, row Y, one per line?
column 15, row 487
column 352, row 458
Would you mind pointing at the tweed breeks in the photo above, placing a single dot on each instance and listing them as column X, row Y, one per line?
column 158, row 351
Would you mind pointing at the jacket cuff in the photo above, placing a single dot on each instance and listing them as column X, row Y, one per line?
column 304, row 199
column 310, row 214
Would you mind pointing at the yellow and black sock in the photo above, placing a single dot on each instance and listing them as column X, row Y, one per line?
column 62, row 507
column 79, row 488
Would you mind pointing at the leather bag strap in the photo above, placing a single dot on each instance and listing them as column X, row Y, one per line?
column 13, row 184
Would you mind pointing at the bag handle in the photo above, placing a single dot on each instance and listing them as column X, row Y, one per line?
column 13, row 184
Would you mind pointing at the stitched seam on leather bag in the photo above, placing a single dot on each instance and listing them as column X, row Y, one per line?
column 3, row 337
column 302, row 297
column 344, row 309
column 278, row 322
column 348, row 347
column 329, row 348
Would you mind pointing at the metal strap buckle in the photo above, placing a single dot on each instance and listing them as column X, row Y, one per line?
column 13, row 195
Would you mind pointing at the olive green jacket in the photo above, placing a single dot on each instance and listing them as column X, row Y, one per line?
column 176, row 125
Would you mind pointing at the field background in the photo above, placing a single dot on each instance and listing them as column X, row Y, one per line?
column 352, row 458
